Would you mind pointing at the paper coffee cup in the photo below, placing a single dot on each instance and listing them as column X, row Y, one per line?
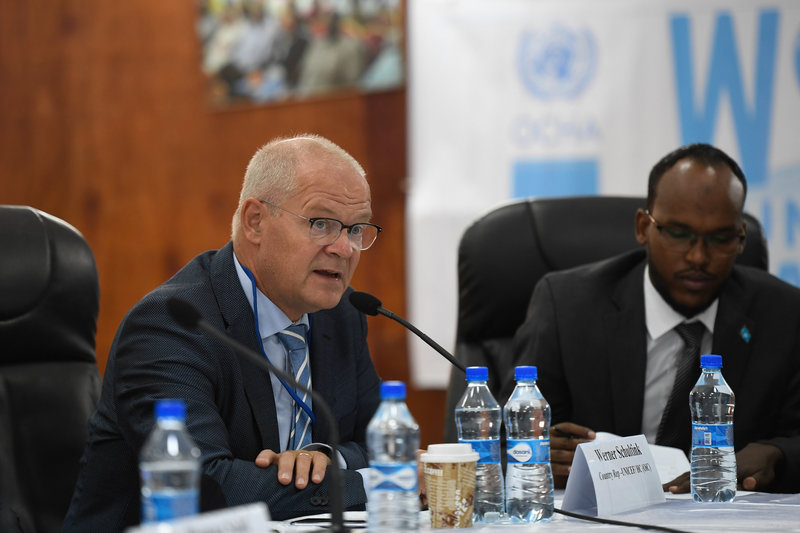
column 450, row 484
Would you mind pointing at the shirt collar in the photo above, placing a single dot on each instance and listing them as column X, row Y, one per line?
column 660, row 317
column 271, row 319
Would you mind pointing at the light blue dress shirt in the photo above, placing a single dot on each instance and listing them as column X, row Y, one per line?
column 271, row 320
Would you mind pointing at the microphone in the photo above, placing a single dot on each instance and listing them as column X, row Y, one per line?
column 188, row 317
column 370, row 305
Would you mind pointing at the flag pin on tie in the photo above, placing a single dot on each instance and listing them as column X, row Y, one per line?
column 745, row 334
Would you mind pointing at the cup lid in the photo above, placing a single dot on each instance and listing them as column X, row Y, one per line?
column 449, row 453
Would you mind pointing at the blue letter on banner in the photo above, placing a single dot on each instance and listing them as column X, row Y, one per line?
column 752, row 126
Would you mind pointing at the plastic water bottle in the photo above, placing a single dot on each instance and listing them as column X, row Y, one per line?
column 713, row 461
column 529, row 477
column 392, row 443
column 478, row 420
column 169, row 464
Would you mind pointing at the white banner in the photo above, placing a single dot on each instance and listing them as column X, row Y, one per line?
column 513, row 98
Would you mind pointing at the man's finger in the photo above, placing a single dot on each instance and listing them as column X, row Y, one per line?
column 565, row 443
column 561, row 456
column 266, row 458
column 561, row 469
column 679, row 485
column 320, row 463
column 302, row 467
column 571, row 430
column 286, row 467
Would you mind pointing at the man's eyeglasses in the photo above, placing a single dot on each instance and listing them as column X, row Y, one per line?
column 325, row 231
column 681, row 239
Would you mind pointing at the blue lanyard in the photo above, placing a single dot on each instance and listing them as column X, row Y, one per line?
column 300, row 403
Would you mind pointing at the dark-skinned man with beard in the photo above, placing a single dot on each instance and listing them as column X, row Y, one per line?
column 606, row 340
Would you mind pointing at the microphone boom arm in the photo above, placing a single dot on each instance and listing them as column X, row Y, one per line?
column 430, row 342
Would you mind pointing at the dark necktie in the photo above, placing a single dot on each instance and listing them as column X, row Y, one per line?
column 294, row 339
column 674, row 429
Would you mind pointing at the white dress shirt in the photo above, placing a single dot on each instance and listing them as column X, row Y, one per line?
column 663, row 346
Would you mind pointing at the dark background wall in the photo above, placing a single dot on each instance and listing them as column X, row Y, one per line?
column 105, row 122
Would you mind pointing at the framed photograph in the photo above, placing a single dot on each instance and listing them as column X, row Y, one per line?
column 262, row 51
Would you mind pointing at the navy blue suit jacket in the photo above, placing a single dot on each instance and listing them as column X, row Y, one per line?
column 585, row 330
column 230, row 407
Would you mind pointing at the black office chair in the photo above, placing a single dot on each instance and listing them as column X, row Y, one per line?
column 505, row 252
column 49, row 381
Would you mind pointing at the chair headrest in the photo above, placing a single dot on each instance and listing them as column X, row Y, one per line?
column 48, row 279
column 503, row 254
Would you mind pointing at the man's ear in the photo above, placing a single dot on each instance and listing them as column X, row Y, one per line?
column 740, row 248
column 252, row 220
column 641, row 223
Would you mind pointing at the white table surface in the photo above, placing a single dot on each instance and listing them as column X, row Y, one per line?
column 749, row 512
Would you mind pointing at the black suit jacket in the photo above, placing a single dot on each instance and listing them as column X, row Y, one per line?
column 585, row 331
column 230, row 407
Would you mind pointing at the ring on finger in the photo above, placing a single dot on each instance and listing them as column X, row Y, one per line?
column 304, row 453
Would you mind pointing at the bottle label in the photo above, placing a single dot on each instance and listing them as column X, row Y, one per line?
column 488, row 450
column 528, row 451
column 167, row 505
column 393, row 477
column 712, row 435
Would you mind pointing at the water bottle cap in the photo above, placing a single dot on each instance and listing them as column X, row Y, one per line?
column 526, row 373
column 171, row 408
column 393, row 390
column 477, row 373
column 710, row 361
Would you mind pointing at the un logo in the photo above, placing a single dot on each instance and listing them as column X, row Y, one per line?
column 558, row 63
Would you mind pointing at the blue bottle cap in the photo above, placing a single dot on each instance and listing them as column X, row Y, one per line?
column 393, row 390
column 477, row 373
column 171, row 408
column 526, row 373
column 710, row 361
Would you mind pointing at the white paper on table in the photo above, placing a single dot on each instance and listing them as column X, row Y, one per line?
column 670, row 462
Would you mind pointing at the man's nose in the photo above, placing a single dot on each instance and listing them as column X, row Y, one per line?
column 698, row 252
column 342, row 246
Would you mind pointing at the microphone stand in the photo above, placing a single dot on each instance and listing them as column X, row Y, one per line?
column 430, row 342
column 336, row 485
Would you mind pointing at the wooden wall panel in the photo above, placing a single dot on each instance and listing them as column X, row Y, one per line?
column 105, row 122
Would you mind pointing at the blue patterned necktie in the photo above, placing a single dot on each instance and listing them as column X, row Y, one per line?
column 674, row 429
column 294, row 339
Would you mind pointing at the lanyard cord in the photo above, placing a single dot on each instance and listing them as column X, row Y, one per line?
column 300, row 403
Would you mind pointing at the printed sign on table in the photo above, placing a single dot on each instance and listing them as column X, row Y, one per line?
column 613, row 476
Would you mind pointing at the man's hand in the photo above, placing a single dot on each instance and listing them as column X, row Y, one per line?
column 564, row 439
column 756, row 464
column 301, row 462
column 679, row 485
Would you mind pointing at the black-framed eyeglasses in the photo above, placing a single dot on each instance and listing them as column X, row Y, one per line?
column 681, row 239
column 325, row 231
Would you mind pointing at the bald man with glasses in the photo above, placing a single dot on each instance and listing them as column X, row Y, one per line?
column 302, row 221
column 617, row 341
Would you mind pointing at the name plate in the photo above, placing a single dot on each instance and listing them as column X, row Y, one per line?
column 612, row 476
column 249, row 518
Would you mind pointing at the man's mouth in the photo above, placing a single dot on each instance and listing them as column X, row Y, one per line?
column 332, row 274
column 696, row 280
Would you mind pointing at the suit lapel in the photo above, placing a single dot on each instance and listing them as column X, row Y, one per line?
column 732, row 332
column 240, row 325
column 627, row 352
column 322, row 373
